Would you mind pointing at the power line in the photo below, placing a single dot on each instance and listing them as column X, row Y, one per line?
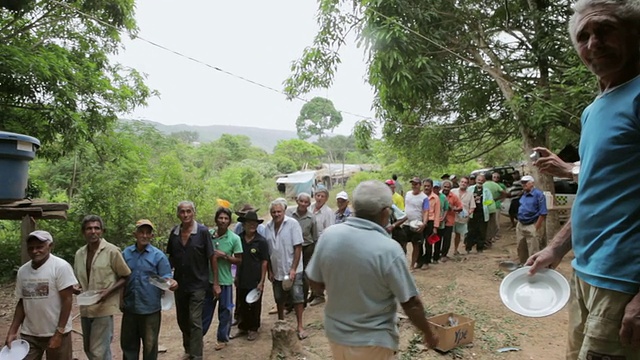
column 190, row 58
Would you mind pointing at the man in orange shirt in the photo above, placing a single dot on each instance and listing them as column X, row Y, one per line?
column 455, row 206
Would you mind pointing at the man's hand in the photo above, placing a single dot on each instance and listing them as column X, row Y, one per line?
column 10, row 337
column 550, row 163
column 292, row 275
column 216, row 291
column 435, row 231
column 630, row 329
column 260, row 286
column 420, row 229
column 173, row 285
column 430, row 339
column 103, row 295
column 219, row 254
column 77, row 289
column 390, row 229
column 547, row 258
column 55, row 341
column 271, row 277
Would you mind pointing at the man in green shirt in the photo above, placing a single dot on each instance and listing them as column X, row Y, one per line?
column 498, row 194
column 228, row 250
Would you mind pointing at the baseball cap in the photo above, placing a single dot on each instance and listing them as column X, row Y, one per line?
column 453, row 177
column 143, row 222
column 527, row 178
column 416, row 180
column 342, row 195
column 437, row 184
column 40, row 235
column 390, row 182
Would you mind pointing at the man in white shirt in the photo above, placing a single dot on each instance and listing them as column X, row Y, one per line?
column 284, row 237
column 417, row 209
column 460, row 228
column 325, row 217
column 44, row 287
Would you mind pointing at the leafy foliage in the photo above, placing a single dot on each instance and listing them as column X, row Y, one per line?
column 300, row 152
column 317, row 117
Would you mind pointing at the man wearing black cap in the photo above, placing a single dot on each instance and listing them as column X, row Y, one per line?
column 44, row 288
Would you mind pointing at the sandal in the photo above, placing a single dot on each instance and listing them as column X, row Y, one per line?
column 302, row 335
column 219, row 346
column 238, row 334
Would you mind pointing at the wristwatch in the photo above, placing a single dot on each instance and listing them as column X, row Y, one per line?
column 575, row 171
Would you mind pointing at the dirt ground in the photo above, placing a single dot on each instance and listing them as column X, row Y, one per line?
column 467, row 285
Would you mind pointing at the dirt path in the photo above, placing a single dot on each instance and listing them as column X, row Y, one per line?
column 468, row 285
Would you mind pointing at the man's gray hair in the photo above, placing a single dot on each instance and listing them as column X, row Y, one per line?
column 303, row 195
column 279, row 202
column 447, row 182
column 627, row 11
column 369, row 198
column 185, row 203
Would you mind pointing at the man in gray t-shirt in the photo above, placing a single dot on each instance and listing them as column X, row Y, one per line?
column 365, row 273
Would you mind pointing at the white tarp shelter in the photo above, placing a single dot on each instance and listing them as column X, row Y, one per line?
column 296, row 183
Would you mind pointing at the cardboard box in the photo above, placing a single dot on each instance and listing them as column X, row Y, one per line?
column 452, row 336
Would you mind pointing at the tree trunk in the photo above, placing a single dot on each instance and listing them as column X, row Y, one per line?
column 285, row 343
column 27, row 226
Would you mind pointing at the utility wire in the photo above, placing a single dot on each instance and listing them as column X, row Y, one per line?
column 216, row 68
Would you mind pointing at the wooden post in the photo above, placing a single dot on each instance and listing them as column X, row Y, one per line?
column 27, row 226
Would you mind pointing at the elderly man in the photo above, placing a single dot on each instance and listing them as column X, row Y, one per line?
column 360, row 316
column 604, row 231
column 99, row 266
column 284, row 237
column 239, row 227
column 141, row 300
column 324, row 218
column 343, row 211
column 432, row 223
column 531, row 215
column 191, row 255
column 309, row 233
column 480, row 217
column 44, row 288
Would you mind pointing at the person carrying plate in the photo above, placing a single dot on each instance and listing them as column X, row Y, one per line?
column 141, row 300
column 44, row 288
column 251, row 275
column 604, row 230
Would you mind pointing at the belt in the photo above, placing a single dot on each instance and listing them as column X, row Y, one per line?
column 528, row 223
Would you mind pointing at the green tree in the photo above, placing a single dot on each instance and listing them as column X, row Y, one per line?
column 56, row 80
column 317, row 117
column 302, row 153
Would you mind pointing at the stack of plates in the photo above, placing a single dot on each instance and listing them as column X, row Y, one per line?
column 542, row 294
column 88, row 298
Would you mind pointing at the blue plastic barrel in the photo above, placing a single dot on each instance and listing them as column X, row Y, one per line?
column 16, row 150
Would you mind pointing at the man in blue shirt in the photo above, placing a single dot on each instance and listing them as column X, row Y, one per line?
column 604, row 231
column 531, row 215
column 141, row 300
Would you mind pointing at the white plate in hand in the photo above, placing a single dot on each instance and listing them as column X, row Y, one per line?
column 19, row 350
column 253, row 296
column 542, row 294
column 159, row 282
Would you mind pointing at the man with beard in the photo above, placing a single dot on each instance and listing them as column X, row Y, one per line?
column 460, row 227
column 44, row 288
column 99, row 266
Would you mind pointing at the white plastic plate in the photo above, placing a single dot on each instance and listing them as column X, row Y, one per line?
column 159, row 282
column 19, row 350
column 88, row 298
column 253, row 296
column 540, row 295
column 167, row 300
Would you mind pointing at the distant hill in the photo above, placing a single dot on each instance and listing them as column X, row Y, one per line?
column 262, row 138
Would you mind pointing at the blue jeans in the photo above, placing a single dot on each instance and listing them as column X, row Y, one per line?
column 97, row 335
column 224, row 312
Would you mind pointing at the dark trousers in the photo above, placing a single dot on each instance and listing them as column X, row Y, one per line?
column 477, row 233
column 307, row 253
column 189, row 313
column 225, row 306
column 136, row 327
column 445, row 236
column 249, row 314
column 39, row 346
column 426, row 251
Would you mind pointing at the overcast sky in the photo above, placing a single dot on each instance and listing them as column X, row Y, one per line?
column 255, row 39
